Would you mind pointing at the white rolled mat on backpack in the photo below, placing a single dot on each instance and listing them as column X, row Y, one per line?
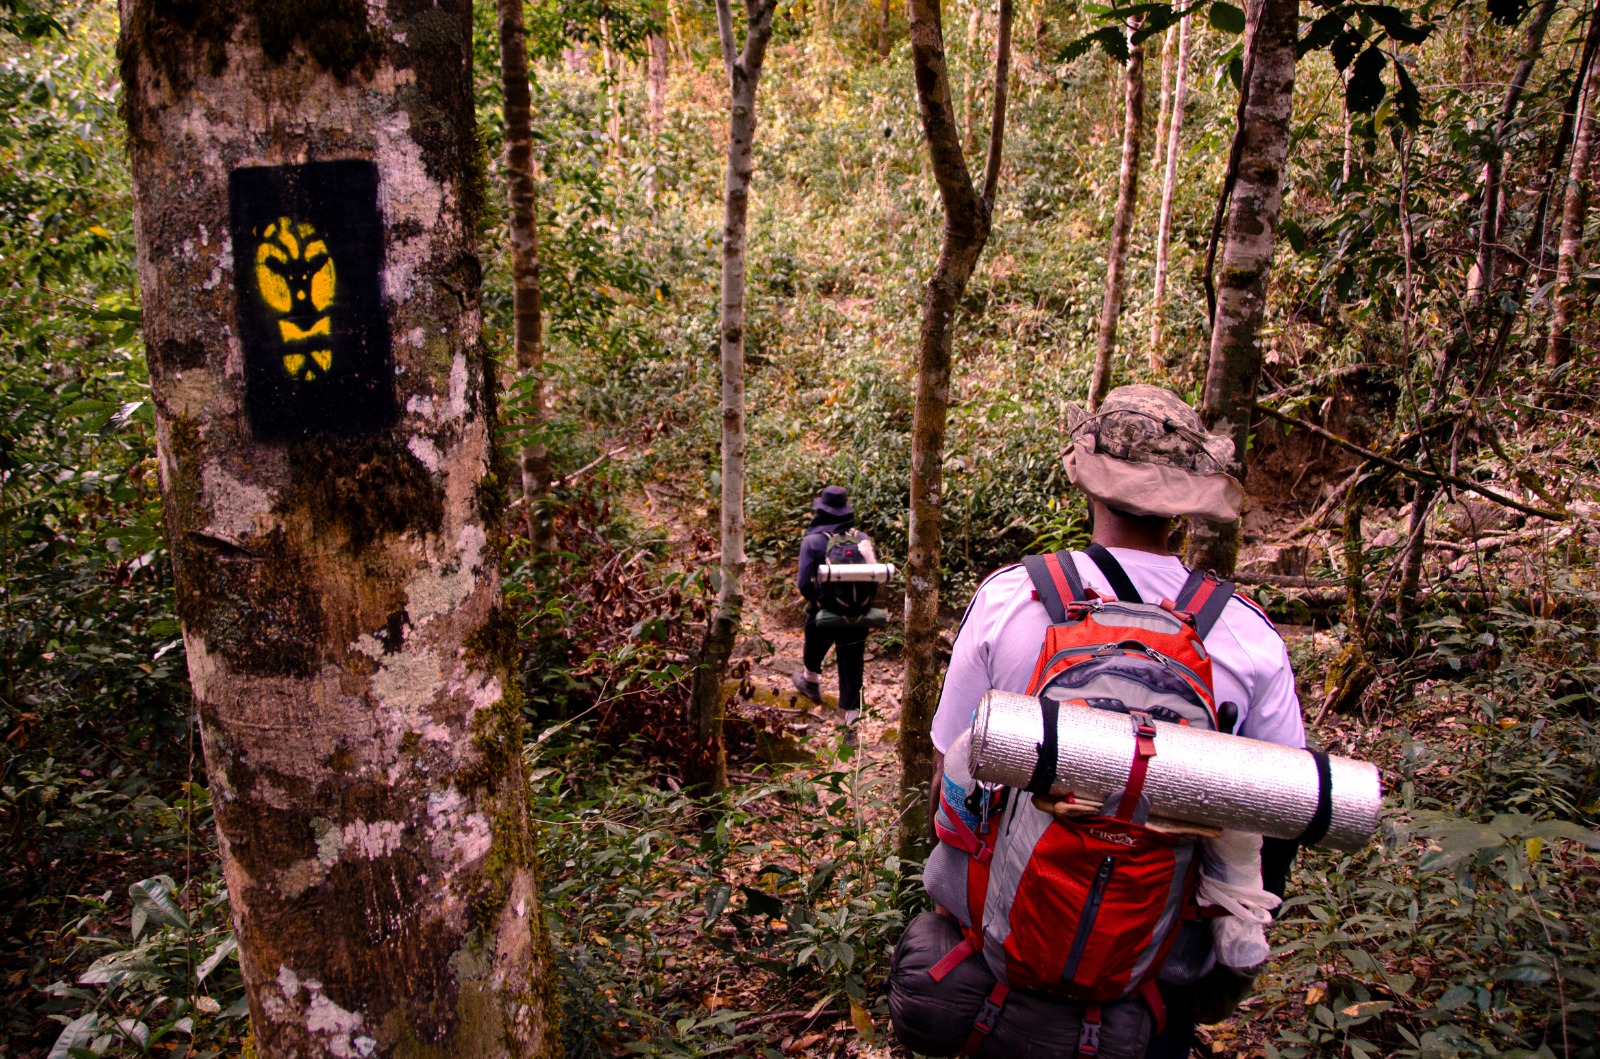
column 876, row 573
column 1196, row 776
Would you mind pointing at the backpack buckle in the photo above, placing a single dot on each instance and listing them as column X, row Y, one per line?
column 1089, row 1037
column 988, row 1016
column 1144, row 733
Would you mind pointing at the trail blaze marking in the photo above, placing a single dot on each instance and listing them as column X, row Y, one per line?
column 308, row 250
column 295, row 274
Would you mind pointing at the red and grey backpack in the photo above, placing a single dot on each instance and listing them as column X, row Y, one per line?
column 1085, row 907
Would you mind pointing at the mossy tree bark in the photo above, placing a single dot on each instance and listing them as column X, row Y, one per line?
column 340, row 594
column 1169, row 187
column 526, row 312
column 967, row 217
column 1234, row 368
column 709, row 768
column 1122, row 220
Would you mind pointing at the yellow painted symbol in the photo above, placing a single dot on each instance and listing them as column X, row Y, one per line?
column 295, row 276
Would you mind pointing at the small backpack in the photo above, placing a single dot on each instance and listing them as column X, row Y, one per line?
column 1086, row 907
column 849, row 599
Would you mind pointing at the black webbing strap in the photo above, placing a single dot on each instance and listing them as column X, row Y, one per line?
column 1116, row 576
column 1069, row 567
column 1211, row 597
column 1190, row 587
column 1317, row 829
column 1044, row 586
column 1044, row 769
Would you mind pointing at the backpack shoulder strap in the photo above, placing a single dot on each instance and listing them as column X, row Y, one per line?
column 1055, row 581
column 1115, row 574
column 1206, row 597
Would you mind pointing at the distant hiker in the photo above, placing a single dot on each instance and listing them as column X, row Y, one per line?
column 1110, row 903
column 837, row 615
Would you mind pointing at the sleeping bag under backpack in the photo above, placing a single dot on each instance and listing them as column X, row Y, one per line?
column 1085, row 907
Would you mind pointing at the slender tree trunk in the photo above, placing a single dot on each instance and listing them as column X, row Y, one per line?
column 656, row 83
column 1169, row 187
column 677, row 31
column 969, row 93
column 1164, row 107
column 527, row 319
column 1422, row 498
column 884, row 43
column 611, row 64
column 1252, row 222
column 334, row 534
column 710, row 769
column 1122, row 222
column 967, row 212
column 1481, row 281
column 1574, row 209
column 1348, row 166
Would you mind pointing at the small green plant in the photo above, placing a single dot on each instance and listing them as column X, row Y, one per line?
column 175, row 974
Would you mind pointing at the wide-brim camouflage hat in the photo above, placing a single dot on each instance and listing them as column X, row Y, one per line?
column 1146, row 452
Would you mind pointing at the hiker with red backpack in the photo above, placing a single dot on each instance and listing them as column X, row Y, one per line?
column 839, row 615
column 1066, row 928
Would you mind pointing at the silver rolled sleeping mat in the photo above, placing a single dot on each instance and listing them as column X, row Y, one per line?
column 1196, row 776
column 875, row 573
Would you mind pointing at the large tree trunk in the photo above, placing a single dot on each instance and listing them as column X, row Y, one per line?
column 1574, row 209
column 710, row 767
column 967, row 215
column 1169, row 187
column 527, row 321
column 1481, row 280
column 1122, row 222
column 324, row 412
column 1252, row 222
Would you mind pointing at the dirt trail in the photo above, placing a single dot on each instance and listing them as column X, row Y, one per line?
column 772, row 641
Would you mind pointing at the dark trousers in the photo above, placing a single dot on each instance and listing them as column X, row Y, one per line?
column 1175, row 1042
column 850, row 648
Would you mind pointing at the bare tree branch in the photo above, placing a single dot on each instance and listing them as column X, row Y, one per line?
column 997, row 127
column 1411, row 471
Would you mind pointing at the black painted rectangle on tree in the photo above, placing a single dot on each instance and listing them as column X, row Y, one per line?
column 308, row 261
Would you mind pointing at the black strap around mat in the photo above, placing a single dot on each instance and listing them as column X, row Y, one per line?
column 1044, row 769
column 1317, row 829
column 1116, row 576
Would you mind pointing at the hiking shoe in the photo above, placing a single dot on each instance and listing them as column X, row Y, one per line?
column 850, row 735
column 809, row 688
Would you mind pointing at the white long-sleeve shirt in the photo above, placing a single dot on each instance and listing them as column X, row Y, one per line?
column 1004, row 629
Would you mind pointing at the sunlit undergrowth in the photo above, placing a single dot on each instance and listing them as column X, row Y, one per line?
column 1471, row 927
column 681, row 927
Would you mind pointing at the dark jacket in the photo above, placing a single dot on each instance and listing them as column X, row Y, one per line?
column 814, row 550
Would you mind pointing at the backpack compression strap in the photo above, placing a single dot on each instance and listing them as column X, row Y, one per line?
column 1116, row 576
column 1055, row 581
column 1205, row 597
column 988, row 1015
